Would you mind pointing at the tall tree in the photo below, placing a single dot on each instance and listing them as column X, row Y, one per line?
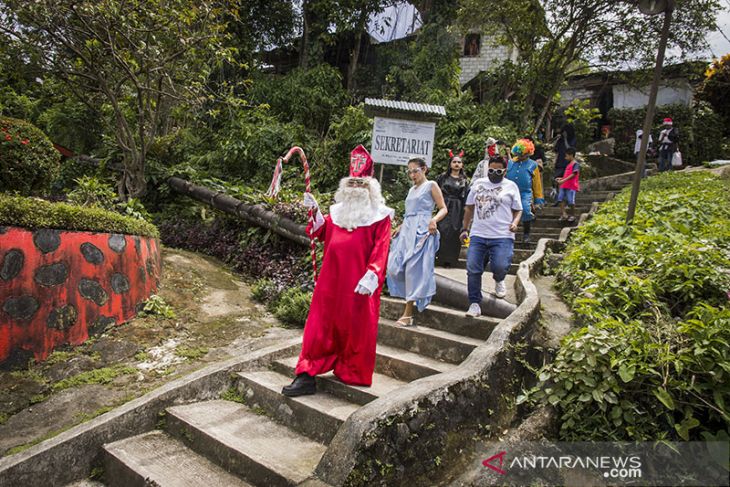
column 352, row 17
column 143, row 58
column 557, row 37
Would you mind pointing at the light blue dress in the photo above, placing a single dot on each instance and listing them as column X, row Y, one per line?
column 412, row 253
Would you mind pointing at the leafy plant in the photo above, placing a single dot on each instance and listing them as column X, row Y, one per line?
column 582, row 116
column 28, row 161
column 293, row 306
column 135, row 209
column 651, row 360
column 156, row 306
column 91, row 191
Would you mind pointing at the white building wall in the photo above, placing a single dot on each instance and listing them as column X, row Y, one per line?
column 489, row 55
column 625, row 96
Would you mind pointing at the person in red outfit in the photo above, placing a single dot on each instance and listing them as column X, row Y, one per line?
column 342, row 326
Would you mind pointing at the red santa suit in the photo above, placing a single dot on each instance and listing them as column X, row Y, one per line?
column 342, row 326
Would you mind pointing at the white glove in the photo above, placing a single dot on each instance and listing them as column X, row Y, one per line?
column 309, row 201
column 368, row 284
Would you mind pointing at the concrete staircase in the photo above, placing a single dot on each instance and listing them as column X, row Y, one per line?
column 272, row 440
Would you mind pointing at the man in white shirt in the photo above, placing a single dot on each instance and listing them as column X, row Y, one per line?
column 491, row 217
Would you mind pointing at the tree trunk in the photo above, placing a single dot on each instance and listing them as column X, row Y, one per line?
column 135, row 184
column 255, row 214
column 527, row 109
column 304, row 44
column 354, row 57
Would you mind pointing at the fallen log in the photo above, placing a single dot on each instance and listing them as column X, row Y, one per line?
column 256, row 214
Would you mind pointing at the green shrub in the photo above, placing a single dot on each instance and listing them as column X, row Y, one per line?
column 293, row 306
column 309, row 97
column 28, row 160
column 466, row 127
column 330, row 160
column 248, row 147
column 583, row 118
column 700, row 130
column 93, row 192
column 37, row 213
column 266, row 291
column 651, row 361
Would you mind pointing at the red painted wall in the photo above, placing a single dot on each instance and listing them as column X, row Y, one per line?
column 60, row 286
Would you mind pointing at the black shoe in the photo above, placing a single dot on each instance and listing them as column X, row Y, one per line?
column 303, row 385
column 526, row 238
column 555, row 204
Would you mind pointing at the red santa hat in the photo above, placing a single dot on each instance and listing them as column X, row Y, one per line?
column 667, row 121
column 361, row 164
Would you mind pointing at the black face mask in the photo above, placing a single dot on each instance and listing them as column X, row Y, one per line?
column 495, row 179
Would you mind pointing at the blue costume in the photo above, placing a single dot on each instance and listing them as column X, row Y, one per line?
column 522, row 173
column 413, row 251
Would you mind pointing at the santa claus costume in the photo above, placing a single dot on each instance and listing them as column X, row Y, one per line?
column 342, row 326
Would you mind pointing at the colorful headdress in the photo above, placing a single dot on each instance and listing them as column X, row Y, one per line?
column 523, row 147
column 361, row 164
column 452, row 156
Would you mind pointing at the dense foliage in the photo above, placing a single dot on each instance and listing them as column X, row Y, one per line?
column 244, row 248
column 715, row 88
column 28, row 161
column 651, row 360
column 700, row 130
column 38, row 213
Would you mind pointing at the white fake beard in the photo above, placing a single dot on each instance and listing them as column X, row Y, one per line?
column 359, row 205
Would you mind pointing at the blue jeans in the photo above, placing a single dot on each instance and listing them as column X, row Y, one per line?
column 497, row 251
column 665, row 160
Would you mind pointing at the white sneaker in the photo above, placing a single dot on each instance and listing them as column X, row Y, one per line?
column 499, row 290
column 474, row 310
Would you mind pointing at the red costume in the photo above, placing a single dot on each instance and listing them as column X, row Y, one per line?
column 342, row 327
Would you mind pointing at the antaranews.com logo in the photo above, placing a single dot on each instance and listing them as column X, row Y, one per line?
column 606, row 463
column 612, row 467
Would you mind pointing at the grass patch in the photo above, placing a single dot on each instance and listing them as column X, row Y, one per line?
column 142, row 356
column 234, row 395
column 38, row 213
column 98, row 376
column 190, row 353
column 4, row 418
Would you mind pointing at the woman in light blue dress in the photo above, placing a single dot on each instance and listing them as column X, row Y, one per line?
column 413, row 250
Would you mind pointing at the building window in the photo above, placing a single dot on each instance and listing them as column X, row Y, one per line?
column 471, row 44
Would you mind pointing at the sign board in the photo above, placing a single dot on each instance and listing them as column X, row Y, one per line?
column 396, row 140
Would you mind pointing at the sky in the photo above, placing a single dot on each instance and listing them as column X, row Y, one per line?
column 719, row 44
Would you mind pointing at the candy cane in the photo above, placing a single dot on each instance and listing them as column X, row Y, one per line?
column 276, row 186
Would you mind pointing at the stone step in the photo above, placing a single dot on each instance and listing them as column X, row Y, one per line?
column 442, row 318
column 461, row 264
column 518, row 254
column 554, row 222
column 437, row 344
column 382, row 384
column 318, row 416
column 531, row 246
column 407, row 366
column 245, row 443
column 555, row 211
column 155, row 458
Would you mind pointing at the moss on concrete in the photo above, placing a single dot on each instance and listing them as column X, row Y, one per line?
column 38, row 213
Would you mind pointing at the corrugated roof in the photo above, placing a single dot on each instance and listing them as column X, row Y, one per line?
column 404, row 106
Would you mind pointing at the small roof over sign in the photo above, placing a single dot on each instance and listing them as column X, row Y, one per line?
column 378, row 106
